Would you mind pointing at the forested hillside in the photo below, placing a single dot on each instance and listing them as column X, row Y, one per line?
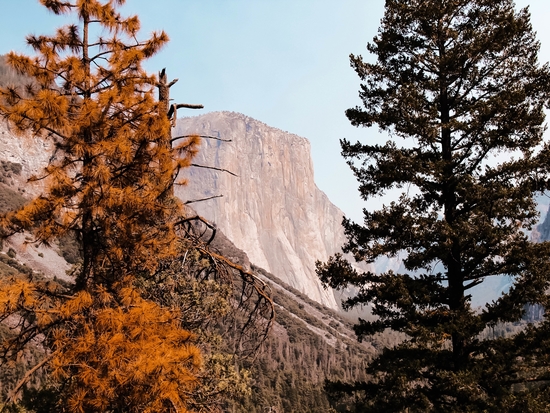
column 308, row 344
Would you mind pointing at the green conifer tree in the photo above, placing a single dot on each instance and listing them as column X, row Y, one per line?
column 458, row 86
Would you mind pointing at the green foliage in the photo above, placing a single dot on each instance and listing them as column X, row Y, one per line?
column 460, row 83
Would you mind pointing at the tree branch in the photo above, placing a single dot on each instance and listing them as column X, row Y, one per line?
column 214, row 168
column 205, row 222
column 202, row 199
column 172, row 112
column 189, row 105
column 200, row 136
column 27, row 376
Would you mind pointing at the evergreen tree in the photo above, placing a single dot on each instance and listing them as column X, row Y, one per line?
column 458, row 86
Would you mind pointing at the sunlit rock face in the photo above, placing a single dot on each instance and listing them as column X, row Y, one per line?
column 31, row 152
column 272, row 209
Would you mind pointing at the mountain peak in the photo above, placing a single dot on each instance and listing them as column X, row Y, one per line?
column 272, row 209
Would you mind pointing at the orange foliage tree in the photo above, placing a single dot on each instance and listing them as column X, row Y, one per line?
column 111, row 350
column 109, row 184
column 111, row 169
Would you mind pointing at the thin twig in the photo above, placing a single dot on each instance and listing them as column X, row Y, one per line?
column 202, row 199
column 214, row 168
column 201, row 136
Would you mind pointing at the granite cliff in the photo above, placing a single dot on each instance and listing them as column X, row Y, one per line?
column 31, row 152
column 272, row 208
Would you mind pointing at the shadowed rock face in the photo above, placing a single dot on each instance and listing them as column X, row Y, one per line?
column 542, row 231
column 272, row 210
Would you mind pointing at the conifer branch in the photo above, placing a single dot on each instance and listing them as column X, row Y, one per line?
column 46, row 128
column 543, row 378
column 472, row 284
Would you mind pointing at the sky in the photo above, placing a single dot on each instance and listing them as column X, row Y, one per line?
column 283, row 62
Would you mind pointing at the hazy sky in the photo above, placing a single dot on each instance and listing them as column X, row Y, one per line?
column 283, row 62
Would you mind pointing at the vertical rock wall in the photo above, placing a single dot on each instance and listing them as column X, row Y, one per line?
column 272, row 210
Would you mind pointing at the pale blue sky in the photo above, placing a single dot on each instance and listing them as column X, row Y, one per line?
column 283, row 62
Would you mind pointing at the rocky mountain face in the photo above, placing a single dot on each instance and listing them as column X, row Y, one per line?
column 31, row 152
column 542, row 231
column 20, row 158
column 308, row 343
column 272, row 208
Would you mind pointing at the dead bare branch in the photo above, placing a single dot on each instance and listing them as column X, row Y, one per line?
column 173, row 111
column 198, row 218
column 200, row 136
column 214, row 168
column 202, row 199
column 189, row 106
column 255, row 310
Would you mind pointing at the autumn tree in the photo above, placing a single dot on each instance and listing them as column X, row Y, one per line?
column 458, row 87
column 118, row 339
column 108, row 184
column 97, row 105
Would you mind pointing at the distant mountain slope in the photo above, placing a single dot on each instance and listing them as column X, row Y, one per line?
column 272, row 209
column 308, row 343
